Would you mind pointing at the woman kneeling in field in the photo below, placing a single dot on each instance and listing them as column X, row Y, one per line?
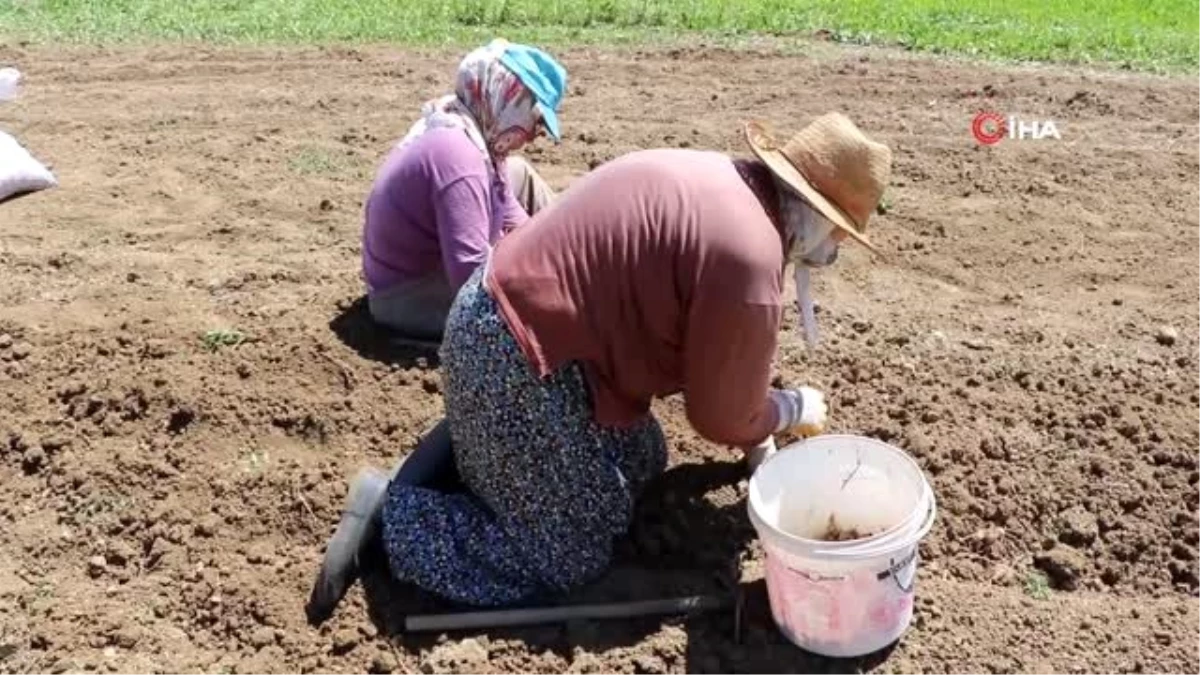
column 448, row 191
column 658, row 273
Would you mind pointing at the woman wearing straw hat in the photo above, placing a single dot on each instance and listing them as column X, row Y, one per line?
column 448, row 191
column 658, row 273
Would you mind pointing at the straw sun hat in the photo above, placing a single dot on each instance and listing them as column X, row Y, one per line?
column 833, row 165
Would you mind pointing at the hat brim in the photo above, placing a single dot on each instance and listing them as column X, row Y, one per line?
column 789, row 174
column 550, row 119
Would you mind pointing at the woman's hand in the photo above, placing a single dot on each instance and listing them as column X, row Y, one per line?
column 802, row 411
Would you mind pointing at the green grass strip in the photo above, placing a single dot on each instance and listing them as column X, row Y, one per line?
column 1143, row 34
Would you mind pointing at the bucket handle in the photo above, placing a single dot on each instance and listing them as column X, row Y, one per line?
column 892, row 571
column 815, row 577
column 894, row 568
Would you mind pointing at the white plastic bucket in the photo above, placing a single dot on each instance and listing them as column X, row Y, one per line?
column 841, row 598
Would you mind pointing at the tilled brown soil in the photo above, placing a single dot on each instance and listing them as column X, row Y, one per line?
column 1031, row 339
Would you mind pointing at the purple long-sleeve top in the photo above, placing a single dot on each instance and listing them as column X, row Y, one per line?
column 434, row 206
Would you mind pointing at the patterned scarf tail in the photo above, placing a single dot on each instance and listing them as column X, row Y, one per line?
column 808, row 313
column 488, row 100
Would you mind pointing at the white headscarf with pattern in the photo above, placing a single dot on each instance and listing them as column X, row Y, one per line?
column 489, row 103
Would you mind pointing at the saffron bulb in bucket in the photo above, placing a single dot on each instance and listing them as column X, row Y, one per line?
column 840, row 519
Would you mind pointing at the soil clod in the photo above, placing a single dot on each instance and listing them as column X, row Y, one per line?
column 1063, row 566
column 97, row 566
column 1166, row 336
column 1077, row 527
column 467, row 656
column 21, row 351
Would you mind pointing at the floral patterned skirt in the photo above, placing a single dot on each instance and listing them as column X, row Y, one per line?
column 547, row 489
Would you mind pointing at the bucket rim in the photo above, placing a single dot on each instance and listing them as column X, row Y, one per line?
column 888, row 541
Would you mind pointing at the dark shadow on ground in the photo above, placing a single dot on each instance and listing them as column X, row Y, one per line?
column 689, row 531
column 657, row 560
column 17, row 195
column 759, row 647
column 357, row 330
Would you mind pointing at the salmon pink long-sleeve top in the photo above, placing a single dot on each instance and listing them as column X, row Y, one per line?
column 660, row 272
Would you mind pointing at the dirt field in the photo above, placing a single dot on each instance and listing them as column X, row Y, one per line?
column 1031, row 339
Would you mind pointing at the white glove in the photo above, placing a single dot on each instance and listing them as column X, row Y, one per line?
column 802, row 409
